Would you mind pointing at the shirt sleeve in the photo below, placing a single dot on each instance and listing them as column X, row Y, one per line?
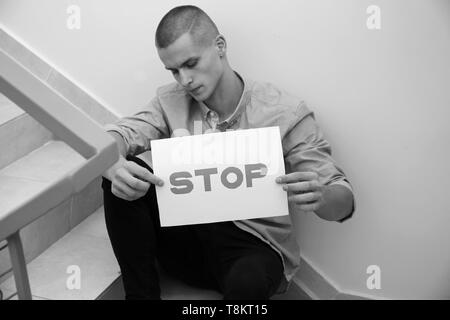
column 137, row 131
column 306, row 149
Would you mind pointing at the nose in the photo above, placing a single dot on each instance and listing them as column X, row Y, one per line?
column 185, row 78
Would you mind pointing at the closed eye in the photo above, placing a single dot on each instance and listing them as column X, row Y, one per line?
column 191, row 64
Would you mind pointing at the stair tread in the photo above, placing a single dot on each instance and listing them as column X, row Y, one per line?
column 20, row 133
column 14, row 190
column 45, row 164
column 8, row 110
column 29, row 175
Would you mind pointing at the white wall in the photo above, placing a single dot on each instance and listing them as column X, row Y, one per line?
column 382, row 98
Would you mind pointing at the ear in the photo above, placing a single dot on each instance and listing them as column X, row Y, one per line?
column 221, row 45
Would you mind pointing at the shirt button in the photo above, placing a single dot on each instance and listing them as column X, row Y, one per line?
column 213, row 118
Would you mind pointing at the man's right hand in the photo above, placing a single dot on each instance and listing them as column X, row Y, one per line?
column 130, row 181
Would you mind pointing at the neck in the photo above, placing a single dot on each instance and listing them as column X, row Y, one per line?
column 227, row 95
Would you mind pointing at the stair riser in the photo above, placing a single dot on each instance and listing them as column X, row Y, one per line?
column 19, row 137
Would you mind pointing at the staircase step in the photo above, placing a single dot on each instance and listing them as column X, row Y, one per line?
column 27, row 177
column 45, row 164
column 8, row 110
column 19, row 133
column 87, row 247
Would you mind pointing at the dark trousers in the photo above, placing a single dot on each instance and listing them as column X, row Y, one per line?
column 217, row 256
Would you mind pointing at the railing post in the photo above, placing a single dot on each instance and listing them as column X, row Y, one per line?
column 19, row 266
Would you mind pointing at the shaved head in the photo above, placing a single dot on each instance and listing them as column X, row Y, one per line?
column 186, row 19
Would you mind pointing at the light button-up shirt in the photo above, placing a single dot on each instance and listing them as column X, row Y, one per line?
column 261, row 105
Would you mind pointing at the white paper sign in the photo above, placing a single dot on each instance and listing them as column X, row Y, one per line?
column 218, row 177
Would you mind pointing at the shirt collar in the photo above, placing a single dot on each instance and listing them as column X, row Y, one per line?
column 243, row 102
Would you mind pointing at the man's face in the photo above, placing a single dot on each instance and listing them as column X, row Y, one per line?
column 198, row 68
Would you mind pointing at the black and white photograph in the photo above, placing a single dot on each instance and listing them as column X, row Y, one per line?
column 249, row 152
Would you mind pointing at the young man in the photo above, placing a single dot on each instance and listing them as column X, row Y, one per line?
column 251, row 259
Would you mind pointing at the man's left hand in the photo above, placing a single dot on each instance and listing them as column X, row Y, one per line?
column 304, row 190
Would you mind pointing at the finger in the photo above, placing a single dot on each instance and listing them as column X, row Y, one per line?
column 306, row 198
column 124, row 189
column 119, row 194
column 309, row 207
column 297, row 176
column 133, row 183
column 142, row 173
column 304, row 186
